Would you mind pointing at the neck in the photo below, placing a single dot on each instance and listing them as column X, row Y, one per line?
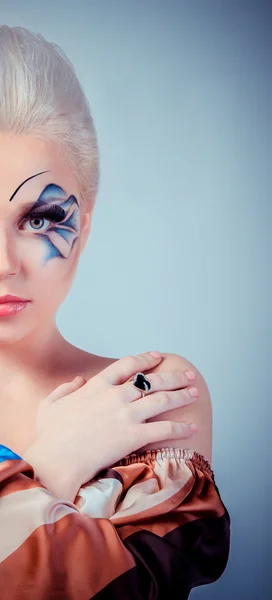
column 37, row 355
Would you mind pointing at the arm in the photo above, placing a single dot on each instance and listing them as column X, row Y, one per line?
column 149, row 525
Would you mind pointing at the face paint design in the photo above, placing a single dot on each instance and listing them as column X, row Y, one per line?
column 61, row 221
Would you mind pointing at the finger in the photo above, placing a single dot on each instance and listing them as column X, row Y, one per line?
column 164, row 430
column 160, row 402
column 65, row 388
column 169, row 380
column 120, row 371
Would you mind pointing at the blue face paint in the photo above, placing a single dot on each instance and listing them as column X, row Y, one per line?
column 63, row 216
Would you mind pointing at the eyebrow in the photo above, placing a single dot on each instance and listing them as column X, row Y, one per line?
column 31, row 177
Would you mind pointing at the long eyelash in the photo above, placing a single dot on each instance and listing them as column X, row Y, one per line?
column 54, row 213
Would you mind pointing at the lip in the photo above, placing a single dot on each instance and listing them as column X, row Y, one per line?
column 11, row 298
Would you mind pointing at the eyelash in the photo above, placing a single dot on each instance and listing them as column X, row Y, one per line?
column 54, row 213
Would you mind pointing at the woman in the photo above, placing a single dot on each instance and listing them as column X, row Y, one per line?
column 102, row 495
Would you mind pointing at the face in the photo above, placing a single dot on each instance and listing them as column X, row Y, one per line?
column 43, row 230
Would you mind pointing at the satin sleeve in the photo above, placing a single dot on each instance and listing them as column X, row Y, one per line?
column 150, row 526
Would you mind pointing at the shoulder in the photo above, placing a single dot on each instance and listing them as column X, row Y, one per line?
column 200, row 412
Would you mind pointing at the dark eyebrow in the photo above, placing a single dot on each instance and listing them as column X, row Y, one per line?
column 11, row 198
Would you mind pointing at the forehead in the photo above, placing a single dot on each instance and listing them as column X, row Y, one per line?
column 21, row 157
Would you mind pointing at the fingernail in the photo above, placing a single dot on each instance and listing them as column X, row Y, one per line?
column 193, row 391
column 193, row 427
column 155, row 353
column 191, row 375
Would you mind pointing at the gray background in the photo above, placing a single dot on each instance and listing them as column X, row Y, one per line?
column 178, row 256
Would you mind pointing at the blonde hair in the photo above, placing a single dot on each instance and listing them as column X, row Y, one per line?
column 41, row 95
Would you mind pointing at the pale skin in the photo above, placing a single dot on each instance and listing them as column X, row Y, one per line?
column 34, row 357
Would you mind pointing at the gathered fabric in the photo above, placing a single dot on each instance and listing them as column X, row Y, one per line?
column 150, row 526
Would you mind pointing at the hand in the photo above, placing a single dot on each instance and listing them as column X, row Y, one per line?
column 83, row 427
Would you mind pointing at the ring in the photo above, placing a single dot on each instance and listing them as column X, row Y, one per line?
column 141, row 383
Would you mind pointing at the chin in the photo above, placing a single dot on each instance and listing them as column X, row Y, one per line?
column 16, row 327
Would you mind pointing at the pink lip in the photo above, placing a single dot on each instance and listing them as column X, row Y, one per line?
column 7, row 309
column 11, row 298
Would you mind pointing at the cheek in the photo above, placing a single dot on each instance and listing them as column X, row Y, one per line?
column 49, row 261
column 51, row 282
column 49, row 269
column 55, row 271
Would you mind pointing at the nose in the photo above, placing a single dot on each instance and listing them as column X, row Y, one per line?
column 9, row 258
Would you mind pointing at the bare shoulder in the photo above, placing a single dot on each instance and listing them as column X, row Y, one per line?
column 200, row 412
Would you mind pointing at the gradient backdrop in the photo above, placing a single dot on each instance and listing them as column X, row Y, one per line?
column 178, row 256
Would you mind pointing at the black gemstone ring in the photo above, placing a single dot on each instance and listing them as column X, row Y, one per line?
column 141, row 383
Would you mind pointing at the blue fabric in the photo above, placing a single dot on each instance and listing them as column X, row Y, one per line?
column 7, row 454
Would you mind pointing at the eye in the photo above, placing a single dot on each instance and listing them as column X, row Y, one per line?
column 53, row 214
column 35, row 222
